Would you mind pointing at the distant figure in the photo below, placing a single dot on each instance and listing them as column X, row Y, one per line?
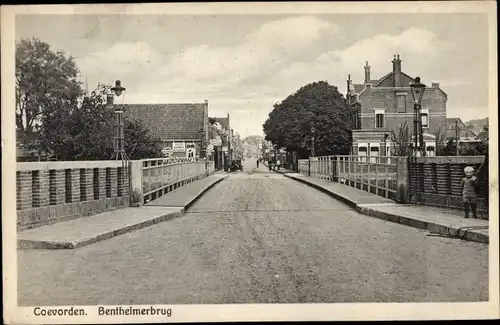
column 278, row 163
column 469, row 195
column 258, row 161
column 270, row 164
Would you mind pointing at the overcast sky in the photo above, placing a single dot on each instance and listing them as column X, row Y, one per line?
column 242, row 64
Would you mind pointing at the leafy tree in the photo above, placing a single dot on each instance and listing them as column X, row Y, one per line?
column 86, row 133
column 316, row 110
column 139, row 143
column 46, row 87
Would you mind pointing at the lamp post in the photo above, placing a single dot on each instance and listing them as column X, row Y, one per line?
column 417, row 91
column 119, row 138
column 313, row 141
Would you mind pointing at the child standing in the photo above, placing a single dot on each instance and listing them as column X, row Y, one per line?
column 469, row 196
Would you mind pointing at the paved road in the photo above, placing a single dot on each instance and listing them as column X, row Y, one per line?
column 258, row 237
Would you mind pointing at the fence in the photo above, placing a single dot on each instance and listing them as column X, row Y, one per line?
column 377, row 175
column 152, row 178
column 436, row 181
column 54, row 191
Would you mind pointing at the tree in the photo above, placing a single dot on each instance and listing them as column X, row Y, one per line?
column 86, row 132
column 139, row 143
column 46, row 85
column 316, row 110
column 402, row 141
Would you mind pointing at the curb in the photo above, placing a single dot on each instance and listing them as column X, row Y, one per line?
column 31, row 244
column 344, row 200
column 205, row 189
column 449, row 231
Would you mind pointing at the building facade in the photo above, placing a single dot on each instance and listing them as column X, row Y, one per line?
column 183, row 128
column 383, row 106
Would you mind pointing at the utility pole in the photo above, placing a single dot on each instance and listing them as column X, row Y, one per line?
column 456, row 136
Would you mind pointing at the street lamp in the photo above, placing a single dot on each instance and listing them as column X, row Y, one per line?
column 417, row 91
column 313, row 139
column 119, row 139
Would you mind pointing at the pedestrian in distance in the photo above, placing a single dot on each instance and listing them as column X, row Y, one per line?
column 278, row 163
column 258, row 161
column 469, row 195
column 270, row 164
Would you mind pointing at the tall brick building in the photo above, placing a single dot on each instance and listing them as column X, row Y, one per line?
column 383, row 105
column 180, row 123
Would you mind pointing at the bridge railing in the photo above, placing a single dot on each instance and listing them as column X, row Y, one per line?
column 153, row 178
column 377, row 175
column 49, row 192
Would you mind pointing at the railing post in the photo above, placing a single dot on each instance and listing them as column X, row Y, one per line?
column 334, row 169
column 309, row 167
column 137, row 195
column 386, row 178
column 402, row 193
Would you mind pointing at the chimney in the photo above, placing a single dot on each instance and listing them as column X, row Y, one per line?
column 349, row 84
column 396, row 70
column 367, row 73
column 435, row 85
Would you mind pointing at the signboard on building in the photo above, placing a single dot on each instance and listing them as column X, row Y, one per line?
column 179, row 147
column 216, row 142
column 224, row 148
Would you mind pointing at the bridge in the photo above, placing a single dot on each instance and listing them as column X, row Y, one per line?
column 339, row 229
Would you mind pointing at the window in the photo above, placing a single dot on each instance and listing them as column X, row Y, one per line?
column 379, row 120
column 425, row 118
column 401, row 103
column 358, row 121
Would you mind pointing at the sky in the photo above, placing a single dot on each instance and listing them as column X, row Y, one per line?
column 243, row 64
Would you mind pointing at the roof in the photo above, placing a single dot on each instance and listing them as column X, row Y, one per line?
column 450, row 122
column 224, row 121
column 463, row 131
column 483, row 135
column 169, row 121
column 388, row 80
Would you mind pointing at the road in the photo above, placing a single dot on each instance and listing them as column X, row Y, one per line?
column 258, row 237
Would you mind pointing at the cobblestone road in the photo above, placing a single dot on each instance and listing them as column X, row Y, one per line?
column 260, row 238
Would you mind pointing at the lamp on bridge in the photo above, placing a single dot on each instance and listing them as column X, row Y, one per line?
column 119, row 138
column 417, row 91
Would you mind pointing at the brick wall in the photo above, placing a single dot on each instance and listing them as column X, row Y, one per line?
column 395, row 115
column 49, row 192
column 436, row 181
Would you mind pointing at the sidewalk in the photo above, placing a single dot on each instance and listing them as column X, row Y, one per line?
column 442, row 221
column 87, row 230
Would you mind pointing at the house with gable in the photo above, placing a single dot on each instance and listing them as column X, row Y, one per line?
column 183, row 128
column 455, row 126
column 383, row 105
